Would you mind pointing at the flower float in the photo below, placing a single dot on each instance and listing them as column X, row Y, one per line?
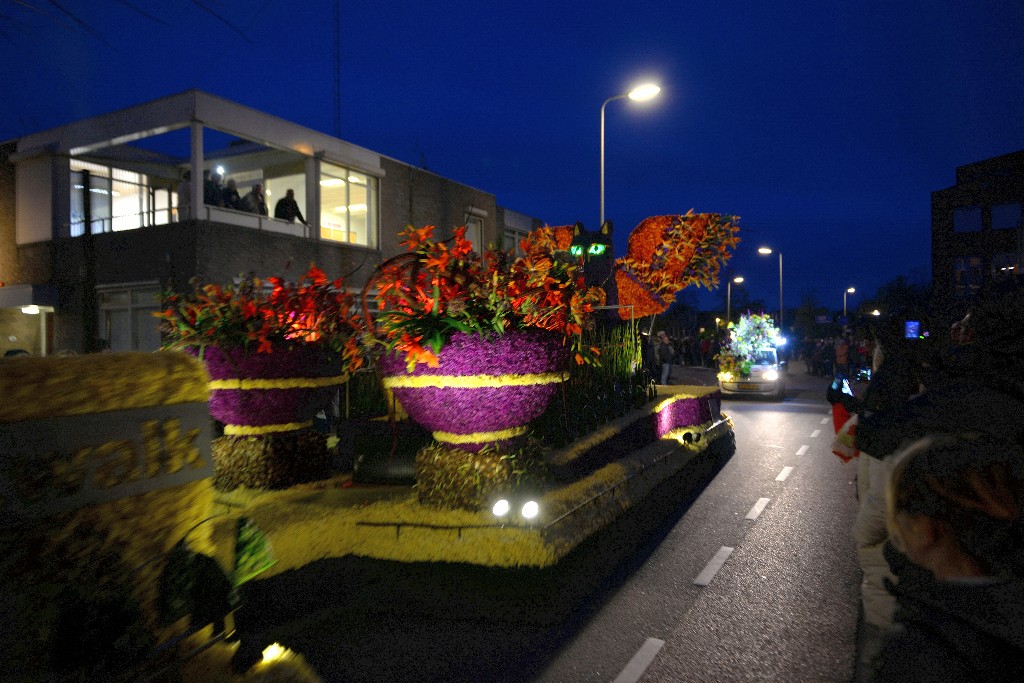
column 276, row 351
column 475, row 345
column 753, row 332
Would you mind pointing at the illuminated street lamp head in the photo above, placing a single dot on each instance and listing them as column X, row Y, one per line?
column 738, row 279
column 876, row 312
column 764, row 250
column 643, row 92
column 851, row 290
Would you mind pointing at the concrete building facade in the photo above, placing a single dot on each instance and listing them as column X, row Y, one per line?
column 978, row 229
column 97, row 217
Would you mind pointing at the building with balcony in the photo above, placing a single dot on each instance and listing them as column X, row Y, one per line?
column 97, row 216
column 977, row 229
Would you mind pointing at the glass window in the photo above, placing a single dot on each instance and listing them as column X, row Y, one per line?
column 967, row 275
column 511, row 240
column 475, row 231
column 120, row 199
column 967, row 219
column 348, row 206
column 126, row 318
column 1006, row 216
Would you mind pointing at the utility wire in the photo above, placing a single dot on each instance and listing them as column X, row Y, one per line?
column 227, row 23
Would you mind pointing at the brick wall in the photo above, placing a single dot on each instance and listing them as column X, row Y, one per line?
column 8, row 254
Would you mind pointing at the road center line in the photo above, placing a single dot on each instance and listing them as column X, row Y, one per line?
column 815, row 433
column 758, row 508
column 704, row 578
column 824, row 420
column 801, row 450
column 783, row 474
column 641, row 660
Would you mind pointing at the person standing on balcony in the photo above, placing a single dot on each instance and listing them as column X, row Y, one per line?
column 288, row 209
column 213, row 194
column 254, row 201
column 231, row 197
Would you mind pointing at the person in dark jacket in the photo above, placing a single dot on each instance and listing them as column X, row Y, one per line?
column 956, row 519
column 288, row 209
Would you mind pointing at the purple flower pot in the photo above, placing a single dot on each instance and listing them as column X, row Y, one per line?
column 486, row 390
column 260, row 393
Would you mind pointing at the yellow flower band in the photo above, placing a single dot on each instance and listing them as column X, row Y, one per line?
column 470, row 381
column 280, row 383
column 245, row 430
column 480, row 437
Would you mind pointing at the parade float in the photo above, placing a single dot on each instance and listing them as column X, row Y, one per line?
column 276, row 352
column 748, row 361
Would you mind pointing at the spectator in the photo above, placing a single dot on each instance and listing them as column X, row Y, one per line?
column 955, row 516
column 665, row 353
column 288, row 209
column 231, row 198
column 213, row 193
column 254, row 202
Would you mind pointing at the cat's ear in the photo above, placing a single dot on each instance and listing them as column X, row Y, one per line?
column 577, row 229
column 606, row 229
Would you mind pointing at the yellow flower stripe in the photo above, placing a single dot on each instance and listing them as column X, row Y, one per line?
column 471, row 381
column 477, row 437
column 280, row 383
column 245, row 430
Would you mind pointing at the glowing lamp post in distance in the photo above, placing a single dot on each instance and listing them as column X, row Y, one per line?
column 765, row 251
column 641, row 93
column 849, row 290
column 728, row 299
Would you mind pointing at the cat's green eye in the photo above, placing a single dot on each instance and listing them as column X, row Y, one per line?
column 597, row 249
column 576, row 250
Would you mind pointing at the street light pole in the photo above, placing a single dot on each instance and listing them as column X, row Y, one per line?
column 638, row 94
column 765, row 251
column 728, row 299
column 849, row 290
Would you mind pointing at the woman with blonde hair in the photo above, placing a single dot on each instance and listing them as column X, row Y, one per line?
column 956, row 522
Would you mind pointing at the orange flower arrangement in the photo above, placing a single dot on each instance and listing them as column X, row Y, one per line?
column 668, row 253
column 439, row 288
column 312, row 312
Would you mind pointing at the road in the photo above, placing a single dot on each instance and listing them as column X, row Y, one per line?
column 639, row 603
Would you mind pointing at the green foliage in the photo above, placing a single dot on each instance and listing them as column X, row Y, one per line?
column 593, row 395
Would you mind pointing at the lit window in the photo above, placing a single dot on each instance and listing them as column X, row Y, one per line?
column 348, row 206
column 1004, row 266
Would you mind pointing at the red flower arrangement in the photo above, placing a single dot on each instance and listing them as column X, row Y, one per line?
column 439, row 288
column 313, row 312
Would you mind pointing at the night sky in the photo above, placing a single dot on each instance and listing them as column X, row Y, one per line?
column 825, row 125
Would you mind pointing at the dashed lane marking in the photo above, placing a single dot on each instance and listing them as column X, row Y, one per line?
column 704, row 578
column 802, row 450
column 783, row 474
column 641, row 660
column 815, row 433
column 758, row 508
column 824, row 420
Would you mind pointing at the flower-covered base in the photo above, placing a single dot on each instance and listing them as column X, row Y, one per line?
column 452, row 478
column 274, row 461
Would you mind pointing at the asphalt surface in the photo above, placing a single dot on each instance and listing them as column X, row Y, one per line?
column 625, row 606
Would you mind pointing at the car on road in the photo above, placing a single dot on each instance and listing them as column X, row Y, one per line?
column 767, row 377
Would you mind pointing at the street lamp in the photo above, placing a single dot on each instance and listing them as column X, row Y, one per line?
column 638, row 94
column 728, row 299
column 766, row 251
column 849, row 290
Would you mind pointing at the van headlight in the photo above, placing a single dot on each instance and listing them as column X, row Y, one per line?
column 771, row 375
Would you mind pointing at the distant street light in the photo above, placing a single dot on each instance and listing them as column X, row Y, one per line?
column 766, row 251
column 876, row 312
column 728, row 299
column 638, row 94
column 849, row 290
